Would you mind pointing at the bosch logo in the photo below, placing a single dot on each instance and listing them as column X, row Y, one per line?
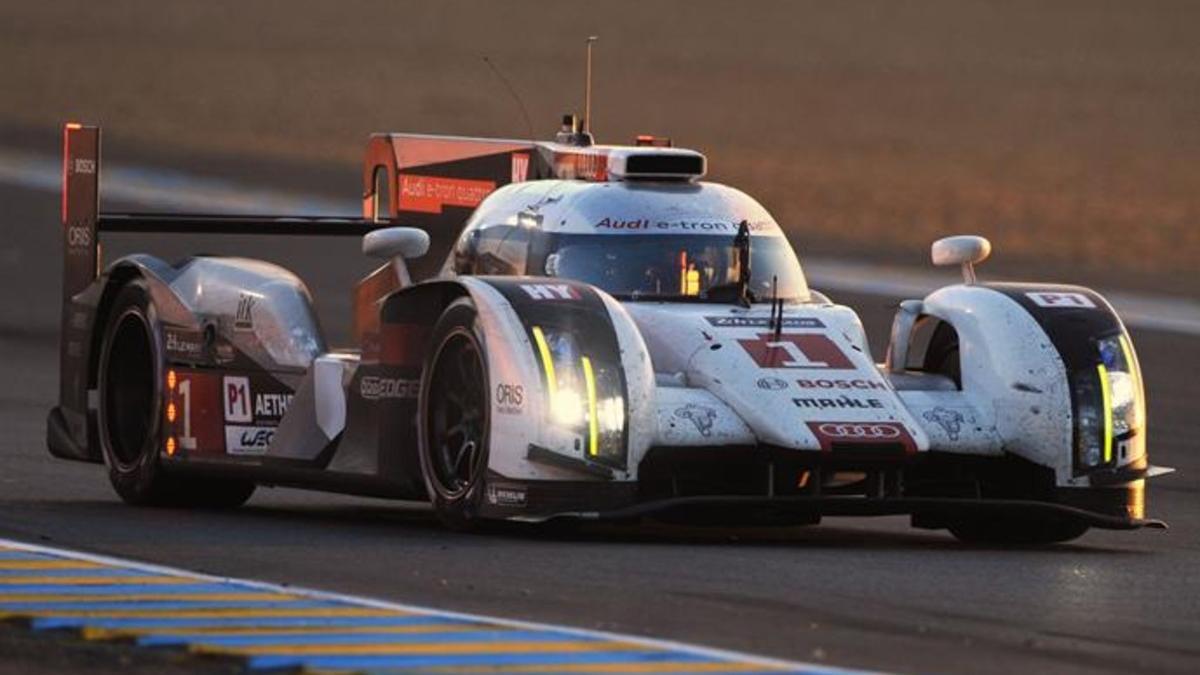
column 862, row 432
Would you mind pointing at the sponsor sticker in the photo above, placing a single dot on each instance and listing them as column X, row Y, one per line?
column 694, row 225
column 506, row 495
column 510, row 398
column 796, row 350
column 843, row 401
column 1061, row 300
column 550, row 291
column 772, row 383
column 951, row 420
column 79, row 236
column 245, row 440
column 244, row 318
column 184, row 344
column 859, row 383
column 236, row 392
column 373, row 388
column 862, row 433
column 271, row 405
column 762, row 322
column 430, row 194
column 700, row 415
column 520, row 167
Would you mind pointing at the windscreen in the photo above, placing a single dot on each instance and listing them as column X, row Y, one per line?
column 688, row 267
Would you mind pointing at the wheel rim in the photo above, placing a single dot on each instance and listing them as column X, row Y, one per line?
column 457, row 419
column 129, row 410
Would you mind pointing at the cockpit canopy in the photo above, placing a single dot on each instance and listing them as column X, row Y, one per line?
column 637, row 241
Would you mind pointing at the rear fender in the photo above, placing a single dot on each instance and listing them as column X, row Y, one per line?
column 72, row 425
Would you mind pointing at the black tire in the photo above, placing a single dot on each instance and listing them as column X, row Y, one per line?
column 131, row 372
column 1015, row 531
column 942, row 357
column 453, row 418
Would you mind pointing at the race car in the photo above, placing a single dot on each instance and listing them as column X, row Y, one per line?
column 565, row 330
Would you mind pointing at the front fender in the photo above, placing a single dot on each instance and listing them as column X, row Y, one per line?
column 528, row 442
column 1023, row 349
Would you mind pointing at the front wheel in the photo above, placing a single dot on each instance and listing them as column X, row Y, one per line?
column 454, row 418
column 1015, row 531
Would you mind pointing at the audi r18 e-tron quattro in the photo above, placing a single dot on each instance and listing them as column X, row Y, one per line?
column 570, row 330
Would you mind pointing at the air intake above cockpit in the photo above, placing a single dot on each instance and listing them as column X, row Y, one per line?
column 655, row 164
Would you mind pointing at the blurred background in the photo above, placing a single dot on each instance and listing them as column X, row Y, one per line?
column 1067, row 132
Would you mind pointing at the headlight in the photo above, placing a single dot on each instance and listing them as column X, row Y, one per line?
column 1109, row 410
column 585, row 396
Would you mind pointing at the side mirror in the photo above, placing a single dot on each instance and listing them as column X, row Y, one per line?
column 397, row 244
column 965, row 250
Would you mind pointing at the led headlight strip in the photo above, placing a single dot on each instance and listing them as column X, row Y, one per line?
column 593, row 421
column 556, row 402
column 547, row 361
column 1106, row 408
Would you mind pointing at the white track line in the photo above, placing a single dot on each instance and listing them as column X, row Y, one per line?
column 669, row 645
column 174, row 190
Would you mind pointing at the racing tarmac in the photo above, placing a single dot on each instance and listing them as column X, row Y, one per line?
column 852, row 592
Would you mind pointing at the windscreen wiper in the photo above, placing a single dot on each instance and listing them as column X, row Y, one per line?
column 741, row 242
column 740, row 289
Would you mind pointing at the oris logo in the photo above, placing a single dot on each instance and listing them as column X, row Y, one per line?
column 78, row 236
column 855, row 431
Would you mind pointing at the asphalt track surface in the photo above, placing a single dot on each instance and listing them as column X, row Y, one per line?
column 867, row 593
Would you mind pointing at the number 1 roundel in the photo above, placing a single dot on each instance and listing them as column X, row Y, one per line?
column 796, row 350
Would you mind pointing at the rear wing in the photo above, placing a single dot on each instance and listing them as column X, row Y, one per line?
column 83, row 223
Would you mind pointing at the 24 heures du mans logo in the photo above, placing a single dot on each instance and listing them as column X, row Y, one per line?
column 796, row 350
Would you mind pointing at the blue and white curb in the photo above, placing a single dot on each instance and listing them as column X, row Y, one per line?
column 271, row 627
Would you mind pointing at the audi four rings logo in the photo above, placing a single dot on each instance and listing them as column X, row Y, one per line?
column 872, row 432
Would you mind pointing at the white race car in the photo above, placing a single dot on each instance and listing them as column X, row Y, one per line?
column 608, row 337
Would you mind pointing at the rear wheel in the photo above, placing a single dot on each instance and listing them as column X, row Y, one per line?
column 454, row 418
column 130, row 377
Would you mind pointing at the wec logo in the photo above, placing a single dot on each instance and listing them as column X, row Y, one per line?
column 248, row 440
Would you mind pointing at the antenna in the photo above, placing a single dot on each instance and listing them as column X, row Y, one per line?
column 512, row 92
column 587, row 87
